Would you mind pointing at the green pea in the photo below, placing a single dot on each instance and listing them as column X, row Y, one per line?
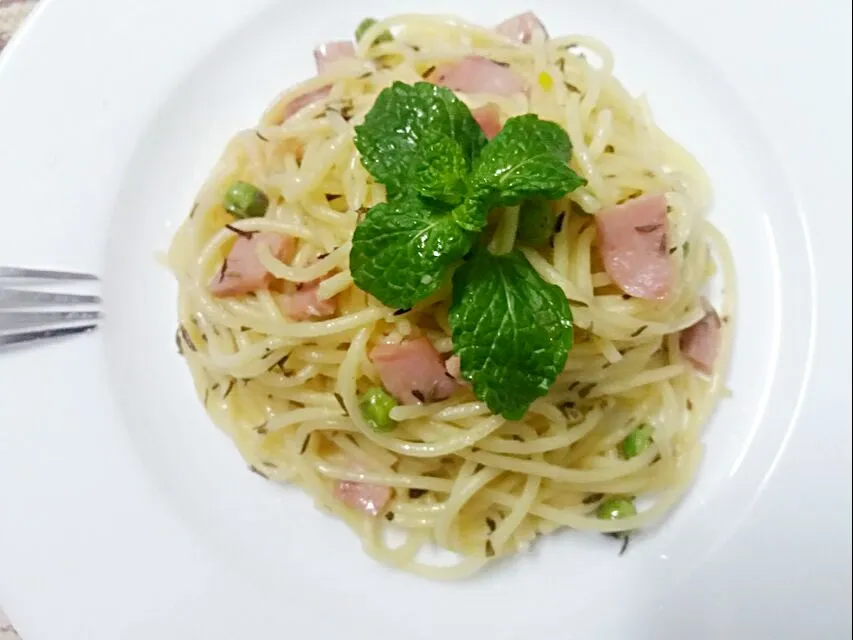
column 364, row 25
column 376, row 407
column 636, row 442
column 245, row 200
column 536, row 221
column 616, row 509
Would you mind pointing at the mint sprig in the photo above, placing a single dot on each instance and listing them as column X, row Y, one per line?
column 511, row 329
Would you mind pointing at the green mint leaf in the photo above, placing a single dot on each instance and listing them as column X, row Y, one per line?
column 536, row 221
column 471, row 215
column 511, row 330
column 529, row 157
column 402, row 251
column 402, row 117
column 440, row 170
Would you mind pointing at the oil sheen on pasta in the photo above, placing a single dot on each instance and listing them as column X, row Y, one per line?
column 287, row 392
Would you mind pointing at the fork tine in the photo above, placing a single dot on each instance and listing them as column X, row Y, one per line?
column 15, row 339
column 19, row 320
column 28, row 316
column 22, row 298
column 12, row 273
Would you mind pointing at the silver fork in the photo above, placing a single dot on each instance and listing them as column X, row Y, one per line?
column 29, row 314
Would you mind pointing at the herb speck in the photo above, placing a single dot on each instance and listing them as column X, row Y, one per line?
column 559, row 224
column 340, row 400
column 187, row 340
column 243, row 234
column 639, row 331
column 280, row 363
column 254, row 469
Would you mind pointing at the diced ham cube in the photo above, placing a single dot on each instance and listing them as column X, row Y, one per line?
column 632, row 241
column 476, row 74
column 242, row 271
column 413, row 371
column 331, row 52
column 369, row 498
column 521, row 27
column 489, row 118
column 700, row 342
column 304, row 304
column 297, row 104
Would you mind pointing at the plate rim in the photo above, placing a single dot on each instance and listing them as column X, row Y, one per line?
column 30, row 33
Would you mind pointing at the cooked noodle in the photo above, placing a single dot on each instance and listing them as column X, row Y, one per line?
column 287, row 392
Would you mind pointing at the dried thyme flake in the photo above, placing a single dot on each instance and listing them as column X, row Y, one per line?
column 639, row 331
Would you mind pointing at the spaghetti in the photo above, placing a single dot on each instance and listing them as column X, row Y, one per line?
column 288, row 392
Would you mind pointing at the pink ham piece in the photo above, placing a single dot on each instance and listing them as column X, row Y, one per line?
column 476, row 74
column 700, row 342
column 489, row 118
column 297, row 104
column 304, row 304
column 413, row 371
column 330, row 52
column 369, row 498
column 242, row 271
column 521, row 27
column 632, row 239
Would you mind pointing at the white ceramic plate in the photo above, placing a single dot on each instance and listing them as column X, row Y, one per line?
column 124, row 514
